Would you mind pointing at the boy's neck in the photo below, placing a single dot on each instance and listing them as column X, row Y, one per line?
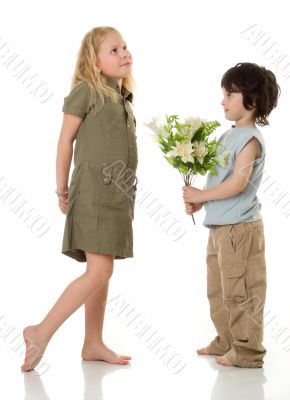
column 244, row 124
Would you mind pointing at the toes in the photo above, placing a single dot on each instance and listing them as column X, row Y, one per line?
column 124, row 360
column 25, row 368
column 202, row 351
column 126, row 357
column 223, row 361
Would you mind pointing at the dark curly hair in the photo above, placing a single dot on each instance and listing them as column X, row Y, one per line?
column 258, row 86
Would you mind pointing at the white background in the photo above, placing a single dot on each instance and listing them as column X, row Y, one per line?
column 180, row 50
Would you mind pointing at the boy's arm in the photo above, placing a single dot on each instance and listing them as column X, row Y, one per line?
column 235, row 184
column 239, row 179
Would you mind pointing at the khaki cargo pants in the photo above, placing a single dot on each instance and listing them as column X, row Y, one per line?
column 236, row 290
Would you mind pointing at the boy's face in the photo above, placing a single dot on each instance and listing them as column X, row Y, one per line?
column 114, row 59
column 234, row 108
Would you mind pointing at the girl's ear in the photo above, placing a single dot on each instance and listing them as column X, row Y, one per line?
column 98, row 69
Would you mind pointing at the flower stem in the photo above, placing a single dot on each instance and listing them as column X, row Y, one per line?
column 187, row 181
column 193, row 219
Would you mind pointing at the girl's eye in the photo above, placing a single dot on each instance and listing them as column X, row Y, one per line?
column 124, row 47
column 115, row 51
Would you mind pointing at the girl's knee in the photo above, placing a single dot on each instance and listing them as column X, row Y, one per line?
column 99, row 267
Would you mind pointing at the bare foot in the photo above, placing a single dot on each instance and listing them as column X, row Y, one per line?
column 203, row 351
column 224, row 361
column 35, row 347
column 100, row 352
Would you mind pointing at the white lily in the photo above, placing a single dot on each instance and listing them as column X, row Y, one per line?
column 162, row 132
column 183, row 150
column 157, row 128
column 200, row 150
column 194, row 124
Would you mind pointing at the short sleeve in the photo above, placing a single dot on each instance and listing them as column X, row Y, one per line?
column 245, row 140
column 78, row 102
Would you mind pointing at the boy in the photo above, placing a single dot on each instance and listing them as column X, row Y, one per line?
column 236, row 267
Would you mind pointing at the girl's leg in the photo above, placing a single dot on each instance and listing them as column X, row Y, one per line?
column 37, row 337
column 94, row 348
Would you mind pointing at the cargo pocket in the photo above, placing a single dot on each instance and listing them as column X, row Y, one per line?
column 234, row 284
column 258, row 241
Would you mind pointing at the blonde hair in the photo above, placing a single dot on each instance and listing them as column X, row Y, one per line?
column 86, row 68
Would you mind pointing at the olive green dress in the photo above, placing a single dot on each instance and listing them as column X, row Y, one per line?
column 102, row 189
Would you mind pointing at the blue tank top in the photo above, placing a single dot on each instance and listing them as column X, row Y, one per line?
column 245, row 206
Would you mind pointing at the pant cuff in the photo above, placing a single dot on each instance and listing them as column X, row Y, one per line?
column 233, row 359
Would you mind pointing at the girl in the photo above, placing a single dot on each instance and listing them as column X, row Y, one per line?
column 99, row 202
column 236, row 269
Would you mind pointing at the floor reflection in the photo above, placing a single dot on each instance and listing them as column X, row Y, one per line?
column 93, row 374
column 237, row 383
column 34, row 388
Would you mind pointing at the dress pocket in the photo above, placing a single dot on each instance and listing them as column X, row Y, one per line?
column 93, row 190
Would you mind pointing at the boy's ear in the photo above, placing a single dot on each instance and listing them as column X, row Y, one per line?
column 254, row 101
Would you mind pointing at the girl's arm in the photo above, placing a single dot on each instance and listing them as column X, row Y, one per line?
column 67, row 136
column 235, row 184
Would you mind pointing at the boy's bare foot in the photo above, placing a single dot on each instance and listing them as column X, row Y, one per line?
column 35, row 347
column 203, row 351
column 100, row 352
column 224, row 361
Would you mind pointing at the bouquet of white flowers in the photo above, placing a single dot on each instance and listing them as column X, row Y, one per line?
column 187, row 146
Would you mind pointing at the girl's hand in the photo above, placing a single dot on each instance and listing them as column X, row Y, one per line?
column 63, row 203
column 191, row 208
column 192, row 194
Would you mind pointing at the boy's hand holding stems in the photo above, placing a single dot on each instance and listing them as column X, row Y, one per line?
column 194, row 198
column 191, row 206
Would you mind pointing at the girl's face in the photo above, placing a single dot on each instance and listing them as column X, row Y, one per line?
column 114, row 59
column 234, row 109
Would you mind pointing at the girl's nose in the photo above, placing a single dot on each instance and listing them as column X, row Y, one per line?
column 124, row 53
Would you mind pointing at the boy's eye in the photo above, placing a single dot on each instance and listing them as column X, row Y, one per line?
column 115, row 50
column 124, row 47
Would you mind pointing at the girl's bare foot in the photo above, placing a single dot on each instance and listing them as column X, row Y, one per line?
column 203, row 351
column 35, row 347
column 224, row 361
column 100, row 352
